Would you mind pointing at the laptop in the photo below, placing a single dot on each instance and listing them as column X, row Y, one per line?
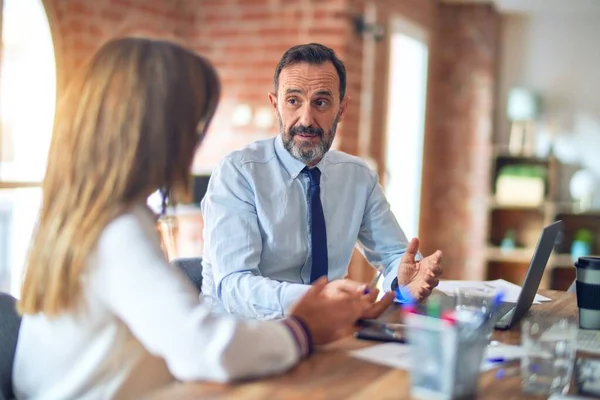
column 510, row 313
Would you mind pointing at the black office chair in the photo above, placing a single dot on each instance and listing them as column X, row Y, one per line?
column 10, row 322
column 192, row 268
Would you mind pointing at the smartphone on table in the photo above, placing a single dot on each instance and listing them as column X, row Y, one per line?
column 381, row 331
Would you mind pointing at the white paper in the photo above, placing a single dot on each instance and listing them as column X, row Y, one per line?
column 394, row 355
column 511, row 291
column 397, row 355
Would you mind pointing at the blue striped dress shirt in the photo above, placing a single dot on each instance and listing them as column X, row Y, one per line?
column 257, row 256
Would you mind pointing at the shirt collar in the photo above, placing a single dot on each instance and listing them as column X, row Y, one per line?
column 292, row 166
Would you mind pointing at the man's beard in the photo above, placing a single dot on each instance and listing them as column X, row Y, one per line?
column 305, row 151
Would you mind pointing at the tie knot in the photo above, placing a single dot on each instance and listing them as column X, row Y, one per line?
column 314, row 175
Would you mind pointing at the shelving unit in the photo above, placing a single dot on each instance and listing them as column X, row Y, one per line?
column 527, row 222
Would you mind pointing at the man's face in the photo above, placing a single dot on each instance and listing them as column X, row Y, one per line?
column 308, row 109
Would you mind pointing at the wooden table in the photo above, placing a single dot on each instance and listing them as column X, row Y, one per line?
column 331, row 373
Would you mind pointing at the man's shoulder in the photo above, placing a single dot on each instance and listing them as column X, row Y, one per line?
column 260, row 151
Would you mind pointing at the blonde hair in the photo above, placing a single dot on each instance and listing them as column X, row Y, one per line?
column 128, row 125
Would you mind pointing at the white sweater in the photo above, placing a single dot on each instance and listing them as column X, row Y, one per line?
column 141, row 324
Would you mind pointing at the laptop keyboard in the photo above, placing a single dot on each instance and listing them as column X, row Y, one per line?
column 504, row 309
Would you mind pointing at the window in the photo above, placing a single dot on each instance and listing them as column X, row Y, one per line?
column 406, row 122
column 27, row 101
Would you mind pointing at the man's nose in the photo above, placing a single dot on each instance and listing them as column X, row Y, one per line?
column 306, row 116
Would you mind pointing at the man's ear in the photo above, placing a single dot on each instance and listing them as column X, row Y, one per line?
column 273, row 101
column 344, row 107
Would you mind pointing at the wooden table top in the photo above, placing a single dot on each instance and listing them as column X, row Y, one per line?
column 332, row 373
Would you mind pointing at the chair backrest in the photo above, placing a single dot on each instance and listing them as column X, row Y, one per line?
column 10, row 322
column 192, row 268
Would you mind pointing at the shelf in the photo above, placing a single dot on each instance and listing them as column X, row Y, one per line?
column 553, row 207
column 501, row 151
column 524, row 255
column 495, row 206
column 560, row 260
column 516, row 255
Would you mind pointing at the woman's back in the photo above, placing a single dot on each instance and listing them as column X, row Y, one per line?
column 93, row 354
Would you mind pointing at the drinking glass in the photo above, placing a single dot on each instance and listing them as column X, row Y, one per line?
column 475, row 299
column 169, row 231
column 550, row 346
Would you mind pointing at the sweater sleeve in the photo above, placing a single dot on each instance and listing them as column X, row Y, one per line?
column 164, row 312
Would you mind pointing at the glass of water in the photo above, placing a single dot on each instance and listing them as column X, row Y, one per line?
column 550, row 345
column 476, row 299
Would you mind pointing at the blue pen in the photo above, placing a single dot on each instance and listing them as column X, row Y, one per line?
column 496, row 360
column 373, row 281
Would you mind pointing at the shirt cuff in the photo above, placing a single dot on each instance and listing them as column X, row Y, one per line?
column 301, row 334
column 391, row 276
column 291, row 294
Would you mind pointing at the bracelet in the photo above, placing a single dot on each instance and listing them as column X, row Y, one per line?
column 301, row 335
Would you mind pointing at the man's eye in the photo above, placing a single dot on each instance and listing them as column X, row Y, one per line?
column 321, row 103
column 292, row 101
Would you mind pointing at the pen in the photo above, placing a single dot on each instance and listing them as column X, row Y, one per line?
column 373, row 281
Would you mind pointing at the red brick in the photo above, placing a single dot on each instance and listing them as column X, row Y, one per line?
column 111, row 15
column 223, row 33
column 253, row 2
column 126, row 3
column 95, row 31
column 277, row 32
column 79, row 9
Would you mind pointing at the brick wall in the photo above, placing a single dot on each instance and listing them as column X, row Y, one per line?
column 458, row 143
column 246, row 38
column 243, row 38
column 80, row 26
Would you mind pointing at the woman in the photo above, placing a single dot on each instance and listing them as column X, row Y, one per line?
column 105, row 316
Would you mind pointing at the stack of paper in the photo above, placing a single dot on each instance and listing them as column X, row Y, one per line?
column 511, row 291
column 588, row 341
column 396, row 355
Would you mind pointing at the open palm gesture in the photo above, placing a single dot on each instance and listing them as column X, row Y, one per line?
column 420, row 277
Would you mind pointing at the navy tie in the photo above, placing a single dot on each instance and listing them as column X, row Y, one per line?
column 317, row 226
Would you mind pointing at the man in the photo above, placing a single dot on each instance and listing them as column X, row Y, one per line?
column 282, row 212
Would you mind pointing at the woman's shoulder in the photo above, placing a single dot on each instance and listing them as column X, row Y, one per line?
column 134, row 227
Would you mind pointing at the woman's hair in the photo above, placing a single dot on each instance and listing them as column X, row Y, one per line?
column 128, row 125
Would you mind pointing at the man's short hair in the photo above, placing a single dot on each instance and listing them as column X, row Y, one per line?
column 312, row 53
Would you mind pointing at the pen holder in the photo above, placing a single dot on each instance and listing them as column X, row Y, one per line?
column 446, row 357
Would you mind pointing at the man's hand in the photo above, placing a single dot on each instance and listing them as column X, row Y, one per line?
column 330, row 310
column 420, row 277
column 377, row 308
column 330, row 317
column 349, row 289
column 344, row 288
